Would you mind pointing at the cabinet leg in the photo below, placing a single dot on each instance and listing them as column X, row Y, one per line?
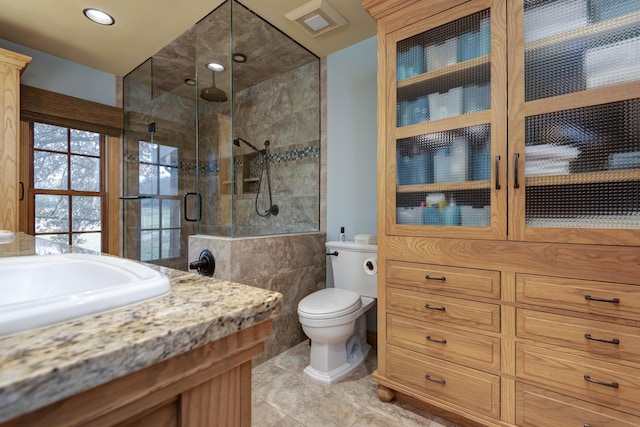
column 385, row 394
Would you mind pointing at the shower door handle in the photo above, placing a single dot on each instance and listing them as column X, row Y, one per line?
column 186, row 198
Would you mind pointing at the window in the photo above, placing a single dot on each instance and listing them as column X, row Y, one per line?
column 160, row 210
column 68, row 185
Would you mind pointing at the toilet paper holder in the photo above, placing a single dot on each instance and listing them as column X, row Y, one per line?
column 370, row 266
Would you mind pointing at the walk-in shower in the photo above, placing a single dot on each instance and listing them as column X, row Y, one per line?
column 189, row 177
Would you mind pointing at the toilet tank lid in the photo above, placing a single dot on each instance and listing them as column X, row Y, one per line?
column 330, row 301
column 351, row 246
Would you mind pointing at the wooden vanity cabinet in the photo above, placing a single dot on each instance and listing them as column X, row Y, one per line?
column 508, row 238
column 207, row 386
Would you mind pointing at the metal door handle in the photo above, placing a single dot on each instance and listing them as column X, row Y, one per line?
column 613, row 384
column 186, row 216
column 516, row 183
column 435, row 380
column 611, row 341
column 442, row 341
column 612, row 300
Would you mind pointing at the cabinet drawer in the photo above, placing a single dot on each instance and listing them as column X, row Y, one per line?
column 536, row 407
column 605, row 339
column 438, row 308
column 467, row 348
column 465, row 387
column 609, row 299
column 464, row 281
column 578, row 376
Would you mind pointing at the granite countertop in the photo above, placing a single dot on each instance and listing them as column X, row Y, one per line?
column 41, row 366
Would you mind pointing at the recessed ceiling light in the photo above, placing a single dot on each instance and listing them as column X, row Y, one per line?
column 98, row 16
column 214, row 66
column 239, row 57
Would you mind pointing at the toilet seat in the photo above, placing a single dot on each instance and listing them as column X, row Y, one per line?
column 329, row 303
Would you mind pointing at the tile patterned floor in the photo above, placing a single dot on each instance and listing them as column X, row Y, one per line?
column 283, row 397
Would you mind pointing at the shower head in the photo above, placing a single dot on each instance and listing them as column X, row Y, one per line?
column 213, row 93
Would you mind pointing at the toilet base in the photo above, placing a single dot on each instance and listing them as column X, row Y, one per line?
column 342, row 371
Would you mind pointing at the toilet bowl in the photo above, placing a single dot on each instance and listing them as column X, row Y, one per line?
column 334, row 318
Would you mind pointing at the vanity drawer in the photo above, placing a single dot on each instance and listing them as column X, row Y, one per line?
column 438, row 308
column 465, row 387
column 605, row 339
column 609, row 299
column 463, row 281
column 596, row 381
column 467, row 348
column 536, row 407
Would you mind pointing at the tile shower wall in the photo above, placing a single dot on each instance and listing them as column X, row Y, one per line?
column 286, row 111
column 292, row 264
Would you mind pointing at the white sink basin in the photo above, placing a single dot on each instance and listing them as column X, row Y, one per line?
column 38, row 291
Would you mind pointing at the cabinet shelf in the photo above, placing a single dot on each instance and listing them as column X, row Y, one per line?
column 444, row 186
column 451, row 76
column 585, row 36
column 623, row 175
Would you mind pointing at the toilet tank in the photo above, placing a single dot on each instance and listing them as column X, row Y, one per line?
column 350, row 269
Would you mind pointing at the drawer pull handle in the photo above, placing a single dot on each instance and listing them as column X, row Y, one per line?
column 435, row 278
column 612, row 300
column 435, row 380
column 611, row 341
column 431, row 307
column 497, row 168
column 442, row 341
column 613, row 384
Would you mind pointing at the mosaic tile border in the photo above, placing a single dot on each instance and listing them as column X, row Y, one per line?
column 213, row 167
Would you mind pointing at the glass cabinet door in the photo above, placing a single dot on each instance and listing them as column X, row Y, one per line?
column 574, row 121
column 447, row 137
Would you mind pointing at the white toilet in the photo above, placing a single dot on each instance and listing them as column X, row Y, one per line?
column 334, row 318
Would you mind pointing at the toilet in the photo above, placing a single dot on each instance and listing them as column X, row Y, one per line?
column 334, row 318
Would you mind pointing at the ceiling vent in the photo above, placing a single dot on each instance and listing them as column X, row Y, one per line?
column 317, row 17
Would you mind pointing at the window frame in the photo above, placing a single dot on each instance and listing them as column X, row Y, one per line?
column 69, row 192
